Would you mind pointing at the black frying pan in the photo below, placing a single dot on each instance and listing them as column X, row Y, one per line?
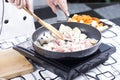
column 88, row 30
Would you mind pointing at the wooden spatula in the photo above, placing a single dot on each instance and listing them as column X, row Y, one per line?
column 44, row 24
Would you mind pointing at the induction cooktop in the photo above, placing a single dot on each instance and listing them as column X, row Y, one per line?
column 68, row 69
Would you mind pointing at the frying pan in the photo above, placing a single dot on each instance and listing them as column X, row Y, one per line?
column 91, row 32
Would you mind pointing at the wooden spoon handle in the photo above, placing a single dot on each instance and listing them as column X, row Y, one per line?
column 44, row 24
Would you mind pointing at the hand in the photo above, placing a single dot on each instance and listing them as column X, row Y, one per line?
column 61, row 3
column 20, row 3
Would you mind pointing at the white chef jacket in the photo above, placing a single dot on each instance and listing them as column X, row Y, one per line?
column 14, row 22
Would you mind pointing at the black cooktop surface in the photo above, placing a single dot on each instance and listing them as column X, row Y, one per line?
column 68, row 68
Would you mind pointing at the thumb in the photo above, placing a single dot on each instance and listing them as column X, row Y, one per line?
column 28, row 4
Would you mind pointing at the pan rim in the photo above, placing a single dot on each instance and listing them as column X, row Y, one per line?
column 98, row 43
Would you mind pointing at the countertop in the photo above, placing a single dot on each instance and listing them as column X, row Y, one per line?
column 108, row 13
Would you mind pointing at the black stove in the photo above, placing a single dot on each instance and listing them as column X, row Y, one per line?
column 68, row 69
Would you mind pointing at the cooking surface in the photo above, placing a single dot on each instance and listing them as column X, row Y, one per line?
column 109, row 70
column 68, row 68
column 69, row 63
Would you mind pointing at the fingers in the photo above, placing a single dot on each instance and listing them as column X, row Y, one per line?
column 11, row 1
column 16, row 2
column 28, row 4
column 63, row 5
column 20, row 3
column 52, row 5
